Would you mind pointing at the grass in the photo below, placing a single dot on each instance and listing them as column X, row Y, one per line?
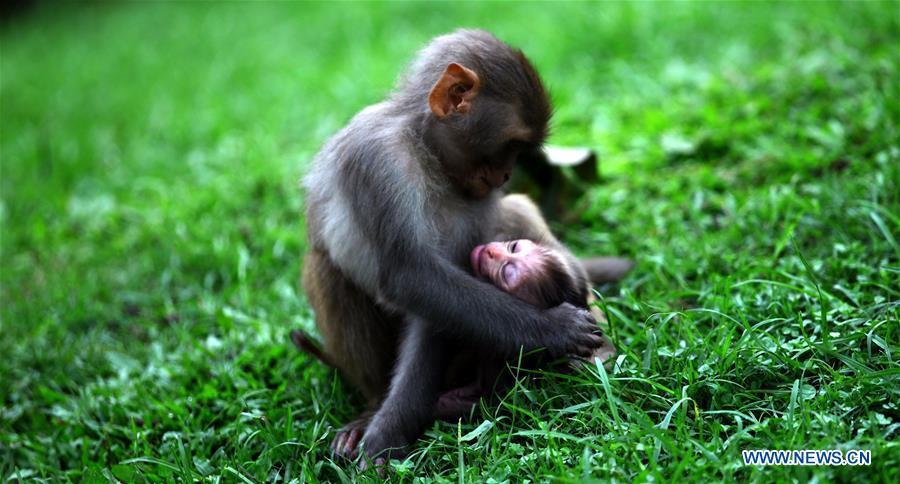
column 152, row 236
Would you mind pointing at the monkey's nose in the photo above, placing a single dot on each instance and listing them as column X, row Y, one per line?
column 496, row 179
column 491, row 251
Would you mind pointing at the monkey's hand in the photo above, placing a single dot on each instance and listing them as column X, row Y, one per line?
column 574, row 332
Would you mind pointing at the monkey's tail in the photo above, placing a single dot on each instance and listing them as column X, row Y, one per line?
column 601, row 270
column 305, row 343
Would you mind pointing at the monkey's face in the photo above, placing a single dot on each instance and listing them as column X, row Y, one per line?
column 513, row 266
column 481, row 129
column 486, row 145
column 487, row 174
column 532, row 272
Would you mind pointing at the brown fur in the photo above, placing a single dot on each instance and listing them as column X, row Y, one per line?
column 364, row 353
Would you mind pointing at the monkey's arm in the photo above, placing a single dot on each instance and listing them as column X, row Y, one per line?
column 454, row 302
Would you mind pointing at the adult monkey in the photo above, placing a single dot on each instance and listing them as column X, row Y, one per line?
column 395, row 202
column 547, row 275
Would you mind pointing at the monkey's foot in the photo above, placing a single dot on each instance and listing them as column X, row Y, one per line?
column 346, row 441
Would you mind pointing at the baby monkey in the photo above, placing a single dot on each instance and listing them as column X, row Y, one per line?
column 535, row 273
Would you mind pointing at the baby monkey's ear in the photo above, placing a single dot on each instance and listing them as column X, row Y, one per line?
column 454, row 91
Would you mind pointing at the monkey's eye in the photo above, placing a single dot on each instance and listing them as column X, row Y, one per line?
column 510, row 274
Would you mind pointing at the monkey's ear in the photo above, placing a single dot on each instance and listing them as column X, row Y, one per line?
column 454, row 91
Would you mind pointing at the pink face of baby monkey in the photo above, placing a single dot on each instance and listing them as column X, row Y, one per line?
column 518, row 267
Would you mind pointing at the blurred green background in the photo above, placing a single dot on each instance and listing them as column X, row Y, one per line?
column 152, row 236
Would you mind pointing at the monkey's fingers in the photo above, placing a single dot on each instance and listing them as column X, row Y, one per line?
column 351, row 444
column 382, row 467
column 583, row 351
column 589, row 342
column 346, row 442
column 572, row 329
column 379, row 463
column 338, row 443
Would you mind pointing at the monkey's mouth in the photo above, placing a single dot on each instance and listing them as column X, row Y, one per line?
column 475, row 259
